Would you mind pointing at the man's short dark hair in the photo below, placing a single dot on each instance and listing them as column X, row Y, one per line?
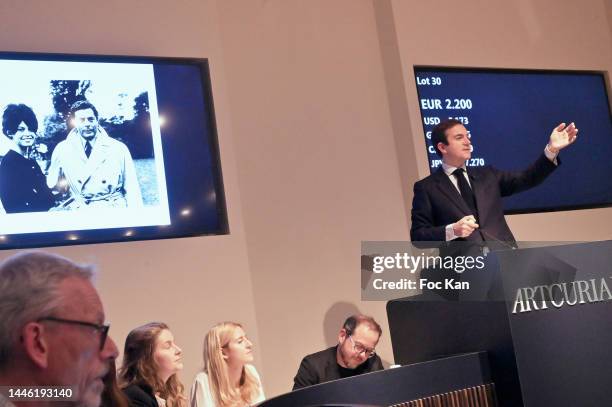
column 15, row 114
column 82, row 105
column 354, row 321
column 438, row 134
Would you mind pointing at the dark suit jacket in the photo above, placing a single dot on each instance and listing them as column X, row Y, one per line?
column 140, row 395
column 437, row 202
column 322, row 367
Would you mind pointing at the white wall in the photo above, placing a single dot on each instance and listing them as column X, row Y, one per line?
column 317, row 167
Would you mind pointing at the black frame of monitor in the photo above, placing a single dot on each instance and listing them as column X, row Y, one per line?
column 213, row 142
column 607, row 86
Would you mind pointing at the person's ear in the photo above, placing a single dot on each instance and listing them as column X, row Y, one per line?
column 224, row 354
column 342, row 336
column 35, row 344
column 442, row 147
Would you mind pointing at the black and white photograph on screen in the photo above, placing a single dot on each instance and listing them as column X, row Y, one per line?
column 80, row 147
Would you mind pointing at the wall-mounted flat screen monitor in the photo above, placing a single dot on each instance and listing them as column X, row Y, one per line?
column 510, row 115
column 107, row 149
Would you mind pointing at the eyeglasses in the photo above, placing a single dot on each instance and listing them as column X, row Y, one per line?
column 103, row 329
column 359, row 348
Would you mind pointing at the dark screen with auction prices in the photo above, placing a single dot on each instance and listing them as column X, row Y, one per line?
column 510, row 115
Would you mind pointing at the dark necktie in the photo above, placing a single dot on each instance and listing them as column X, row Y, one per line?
column 466, row 192
column 87, row 148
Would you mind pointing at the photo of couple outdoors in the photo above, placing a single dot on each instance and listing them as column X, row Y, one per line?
column 73, row 158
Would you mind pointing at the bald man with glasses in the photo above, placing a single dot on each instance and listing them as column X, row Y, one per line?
column 53, row 333
column 354, row 354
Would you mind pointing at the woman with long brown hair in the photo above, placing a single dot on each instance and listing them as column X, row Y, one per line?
column 228, row 379
column 151, row 360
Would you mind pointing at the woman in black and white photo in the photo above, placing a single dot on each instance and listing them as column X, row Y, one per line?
column 23, row 186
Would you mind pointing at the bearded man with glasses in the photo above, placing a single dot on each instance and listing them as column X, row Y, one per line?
column 52, row 332
column 354, row 354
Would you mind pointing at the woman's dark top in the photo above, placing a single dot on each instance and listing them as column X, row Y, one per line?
column 23, row 186
column 140, row 395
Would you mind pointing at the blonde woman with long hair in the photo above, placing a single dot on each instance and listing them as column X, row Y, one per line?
column 151, row 360
column 228, row 379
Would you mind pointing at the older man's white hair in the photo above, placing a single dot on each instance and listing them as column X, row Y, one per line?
column 29, row 285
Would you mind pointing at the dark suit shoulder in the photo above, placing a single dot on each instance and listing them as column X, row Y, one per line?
column 481, row 170
column 322, row 356
column 140, row 395
column 313, row 367
column 431, row 178
column 375, row 364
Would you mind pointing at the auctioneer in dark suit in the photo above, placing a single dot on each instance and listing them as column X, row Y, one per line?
column 437, row 202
